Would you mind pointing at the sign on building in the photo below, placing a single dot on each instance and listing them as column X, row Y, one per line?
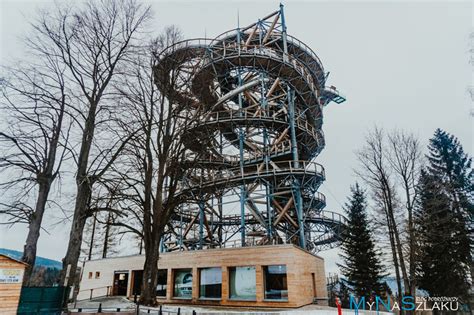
column 11, row 275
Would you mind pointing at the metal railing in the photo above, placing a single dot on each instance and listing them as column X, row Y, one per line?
column 108, row 292
column 204, row 178
column 230, row 49
column 291, row 40
column 138, row 309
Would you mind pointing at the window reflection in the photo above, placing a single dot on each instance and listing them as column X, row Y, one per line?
column 276, row 287
column 183, row 283
column 210, row 283
column 162, row 282
column 242, row 283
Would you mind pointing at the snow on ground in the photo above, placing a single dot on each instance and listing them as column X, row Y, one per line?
column 112, row 303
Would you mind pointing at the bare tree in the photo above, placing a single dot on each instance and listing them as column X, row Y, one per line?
column 94, row 42
column 376, row 172
column 34, row 101
column 101, row 237
column 155, row 160
column 404, row 155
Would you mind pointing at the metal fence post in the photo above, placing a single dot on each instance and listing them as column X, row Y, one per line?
column 100, row 308
column 179, row 310
column 160, row 312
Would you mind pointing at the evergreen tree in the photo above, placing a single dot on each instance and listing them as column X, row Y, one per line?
column 361, row 261
column 444, row 218
column 449, row 165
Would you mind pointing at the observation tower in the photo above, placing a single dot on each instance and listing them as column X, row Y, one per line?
column 252, row 177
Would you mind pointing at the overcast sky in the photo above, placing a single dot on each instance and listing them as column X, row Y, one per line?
column 400, row 65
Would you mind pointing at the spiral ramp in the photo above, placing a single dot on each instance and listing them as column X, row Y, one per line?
column 251, row 178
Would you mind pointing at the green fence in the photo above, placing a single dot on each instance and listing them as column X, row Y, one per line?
column 42, row 300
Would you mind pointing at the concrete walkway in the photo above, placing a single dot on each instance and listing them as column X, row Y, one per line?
column 110, row 304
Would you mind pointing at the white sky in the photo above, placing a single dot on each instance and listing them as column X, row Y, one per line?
column 400, row 64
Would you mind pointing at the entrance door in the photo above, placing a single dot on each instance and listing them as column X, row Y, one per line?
column 314, row 284
column 120, row 283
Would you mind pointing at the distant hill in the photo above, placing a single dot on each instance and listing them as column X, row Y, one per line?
column 40, row 261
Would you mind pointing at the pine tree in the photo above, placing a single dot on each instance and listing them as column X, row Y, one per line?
column 444, row 218
column 361, row 261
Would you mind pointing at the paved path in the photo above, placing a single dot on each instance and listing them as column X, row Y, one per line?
column 112, row 303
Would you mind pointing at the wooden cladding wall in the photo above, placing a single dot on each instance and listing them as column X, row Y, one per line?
column 10, row 292
column 301, row 267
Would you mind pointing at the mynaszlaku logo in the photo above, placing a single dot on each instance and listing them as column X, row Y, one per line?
column 408, row 303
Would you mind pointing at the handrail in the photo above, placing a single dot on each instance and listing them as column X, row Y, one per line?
column 108, row 293
column 277, row 167
column 207, row 43
column 290, row 39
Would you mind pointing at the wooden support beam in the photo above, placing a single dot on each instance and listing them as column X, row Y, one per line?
column 254, row 211
column 280, row 138
column 177, row 236
column 286, row 192
column 249, row 76
column 279, row 208
column 188, row 228
column 284, row 211
column 249, row 39
column 274, row 165
column 270, row 30
column 249, row 96
column 271, row 100
column 283, row 109
column 209, row 232
column 255, row 200
column 273, row 87
column 214, row 211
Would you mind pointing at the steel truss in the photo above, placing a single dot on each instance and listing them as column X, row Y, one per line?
column 259, row 94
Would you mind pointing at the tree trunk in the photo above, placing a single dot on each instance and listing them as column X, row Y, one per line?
column 34, row 227
column 397, row 246
column 395, row 261
column 406, row 282
column 150, row 273
column 91, row 244
column 106, row 237
column 75, row 238
column 84, row 186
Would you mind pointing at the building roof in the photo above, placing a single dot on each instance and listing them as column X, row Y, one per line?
column 13, row 259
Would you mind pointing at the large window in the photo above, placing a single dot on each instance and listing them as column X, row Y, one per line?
column 242, row 284
column 137, row 276
column 276, row 287
column 160, row 288
column 183, row 283
column 162, row 282
column 210, row 283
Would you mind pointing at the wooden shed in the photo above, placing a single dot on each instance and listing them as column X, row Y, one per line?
column 11, row 278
